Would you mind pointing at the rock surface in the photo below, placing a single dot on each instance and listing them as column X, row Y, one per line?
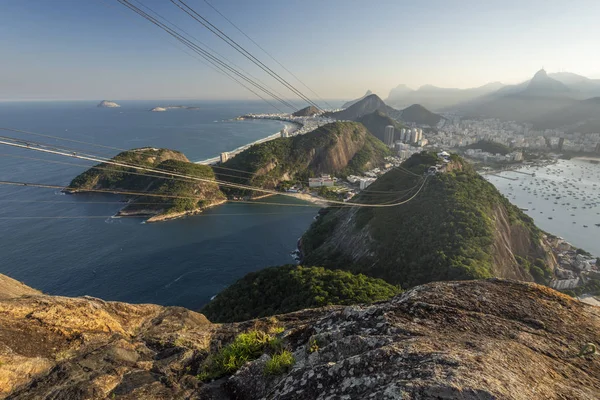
column 491, row 339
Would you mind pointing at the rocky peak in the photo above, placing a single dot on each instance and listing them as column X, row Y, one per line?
column 487, row 339
column 541, row 74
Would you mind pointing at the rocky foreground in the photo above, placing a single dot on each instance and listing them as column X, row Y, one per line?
column 491, row 339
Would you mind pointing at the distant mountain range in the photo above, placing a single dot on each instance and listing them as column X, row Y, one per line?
column 581, row 116
column 536, row 99
column 416, row 113
column 548, row 100
column 436, row 98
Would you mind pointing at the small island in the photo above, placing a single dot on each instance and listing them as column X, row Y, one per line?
column 181, row 196
column 166, row 108
column 108, row 104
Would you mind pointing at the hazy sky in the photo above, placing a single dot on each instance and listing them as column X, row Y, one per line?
column 97, row 49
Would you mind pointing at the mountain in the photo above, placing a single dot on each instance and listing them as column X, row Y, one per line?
column 542, row 85
column 363, row 107
column 488, row 339
column 349, row 103
column 108, row 104
column 582, row 116
column 437, row 98
column 336, row 148
column 582, row 86
column 179, row 194
column 376, row 123
column 458, row 227
column 524, row 102
column 267, row 292
column 419, row 115
column 306, row 112
column 398, row 94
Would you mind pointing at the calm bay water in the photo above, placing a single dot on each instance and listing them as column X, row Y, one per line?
column 563, row 199
column 182, row 262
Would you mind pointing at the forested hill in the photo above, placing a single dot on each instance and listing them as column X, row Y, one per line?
column 339, row 148
column 458, row 227
column 490, row 147
column 288, row 288
column 181, row 197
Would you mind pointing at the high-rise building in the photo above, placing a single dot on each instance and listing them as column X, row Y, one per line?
column 224, row 157
column 388, row 136
column 598, row 148
column 561, row 143
column 413, row 135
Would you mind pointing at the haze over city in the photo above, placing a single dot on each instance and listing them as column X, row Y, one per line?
column 71, row 49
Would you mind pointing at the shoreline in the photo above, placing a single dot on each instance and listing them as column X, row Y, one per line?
column 587, row 158
column 295, row 126
column 153, row 217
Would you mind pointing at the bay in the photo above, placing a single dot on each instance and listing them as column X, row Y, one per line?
column 563, row 199
column 69, row 245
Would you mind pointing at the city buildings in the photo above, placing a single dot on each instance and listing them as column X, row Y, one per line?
column 457, row 132
column 224, row 157
column 323, row 180
column 389, row 136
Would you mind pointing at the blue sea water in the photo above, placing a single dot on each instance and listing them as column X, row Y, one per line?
column 183, row 262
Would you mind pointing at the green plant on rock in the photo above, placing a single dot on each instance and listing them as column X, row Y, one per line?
column 280, row 363
column 245, row 347
column 313, row 345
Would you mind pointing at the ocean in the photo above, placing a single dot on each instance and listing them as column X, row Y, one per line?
column 563, row 199
column 68, row 244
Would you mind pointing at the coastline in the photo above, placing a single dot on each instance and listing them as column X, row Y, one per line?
column 294, row 127
column 153, row 217
column 587, row 158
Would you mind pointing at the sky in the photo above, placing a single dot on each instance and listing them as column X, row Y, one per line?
column 98, row 49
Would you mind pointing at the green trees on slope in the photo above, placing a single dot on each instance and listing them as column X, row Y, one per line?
column 290, row 288
column 446, row 233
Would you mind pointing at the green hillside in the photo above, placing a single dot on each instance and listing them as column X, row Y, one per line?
column 180, row 195
column 458, row 227
column 490, row 147
column 290, row 288
column 339, row 148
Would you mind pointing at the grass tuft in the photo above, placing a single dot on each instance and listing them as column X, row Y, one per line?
column 280, row 363
column 245, row 347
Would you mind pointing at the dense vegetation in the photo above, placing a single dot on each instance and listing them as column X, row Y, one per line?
column 180, row 195
column 290, row 288
column 109, row 176
column 337, row 148
column 490, row 147
column 445, row 233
